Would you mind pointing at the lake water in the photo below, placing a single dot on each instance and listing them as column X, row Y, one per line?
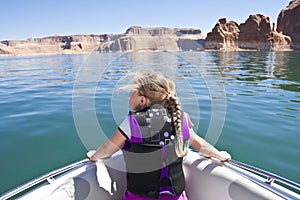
column 54, row 108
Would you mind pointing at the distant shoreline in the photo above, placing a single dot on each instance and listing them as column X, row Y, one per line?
column 86, row 53
column 257, row 33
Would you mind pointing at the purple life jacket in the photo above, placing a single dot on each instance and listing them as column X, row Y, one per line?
column 153, row 167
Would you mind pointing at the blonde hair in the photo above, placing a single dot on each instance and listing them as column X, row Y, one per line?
column 161, row 90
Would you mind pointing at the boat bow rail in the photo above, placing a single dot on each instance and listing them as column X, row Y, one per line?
column 46, row 177
column 232, row 180
column 270, row 177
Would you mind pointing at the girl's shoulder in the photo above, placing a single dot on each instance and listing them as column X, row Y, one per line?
column 125, row 126
column 186, row 117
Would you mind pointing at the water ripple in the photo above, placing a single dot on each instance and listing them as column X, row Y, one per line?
column 262, row 96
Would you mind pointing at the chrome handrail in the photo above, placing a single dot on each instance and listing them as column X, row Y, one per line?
column 46, row 177
column 270, row 177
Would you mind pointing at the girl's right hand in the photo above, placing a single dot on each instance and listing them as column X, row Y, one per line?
column 90, row 156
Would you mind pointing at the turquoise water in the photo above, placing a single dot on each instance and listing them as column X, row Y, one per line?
column 245, row 102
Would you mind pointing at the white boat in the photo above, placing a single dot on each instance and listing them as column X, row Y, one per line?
column 205, row 179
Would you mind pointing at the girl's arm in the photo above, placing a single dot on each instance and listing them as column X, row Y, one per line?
column 110, row 147
column 207, row 149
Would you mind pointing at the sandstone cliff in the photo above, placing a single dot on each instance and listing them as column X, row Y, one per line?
column 224, row 36
column 155, row 39
column 288, row 22
column 52, row 45
column 255, row 33
column 134, row 39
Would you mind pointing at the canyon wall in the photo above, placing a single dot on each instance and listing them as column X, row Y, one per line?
column 288, row 23
column 256, row 33
column 224, row 36
column 138, row 38
column 134, row 39
column 52, row 45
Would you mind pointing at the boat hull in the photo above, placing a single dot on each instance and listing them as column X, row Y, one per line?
column 205, row 179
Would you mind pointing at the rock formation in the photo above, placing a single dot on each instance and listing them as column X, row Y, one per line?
column 256, row 33
column 288, row 22
column 52, row 45
column 280, row 41
column 134, row 39
column 138, row 38
column 3, row 49
column 224, row 36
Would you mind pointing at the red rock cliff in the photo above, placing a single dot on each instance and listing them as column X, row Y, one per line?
column 288, row 22
column 224, row 36
column 255, row 33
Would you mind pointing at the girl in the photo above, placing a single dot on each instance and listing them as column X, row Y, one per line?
column 154, row 140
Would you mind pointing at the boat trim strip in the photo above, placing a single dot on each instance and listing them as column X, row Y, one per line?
column 270, row 177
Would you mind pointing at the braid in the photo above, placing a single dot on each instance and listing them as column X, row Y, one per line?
column 176, row 117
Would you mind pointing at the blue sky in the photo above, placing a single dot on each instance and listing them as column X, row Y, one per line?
column 22, row 19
